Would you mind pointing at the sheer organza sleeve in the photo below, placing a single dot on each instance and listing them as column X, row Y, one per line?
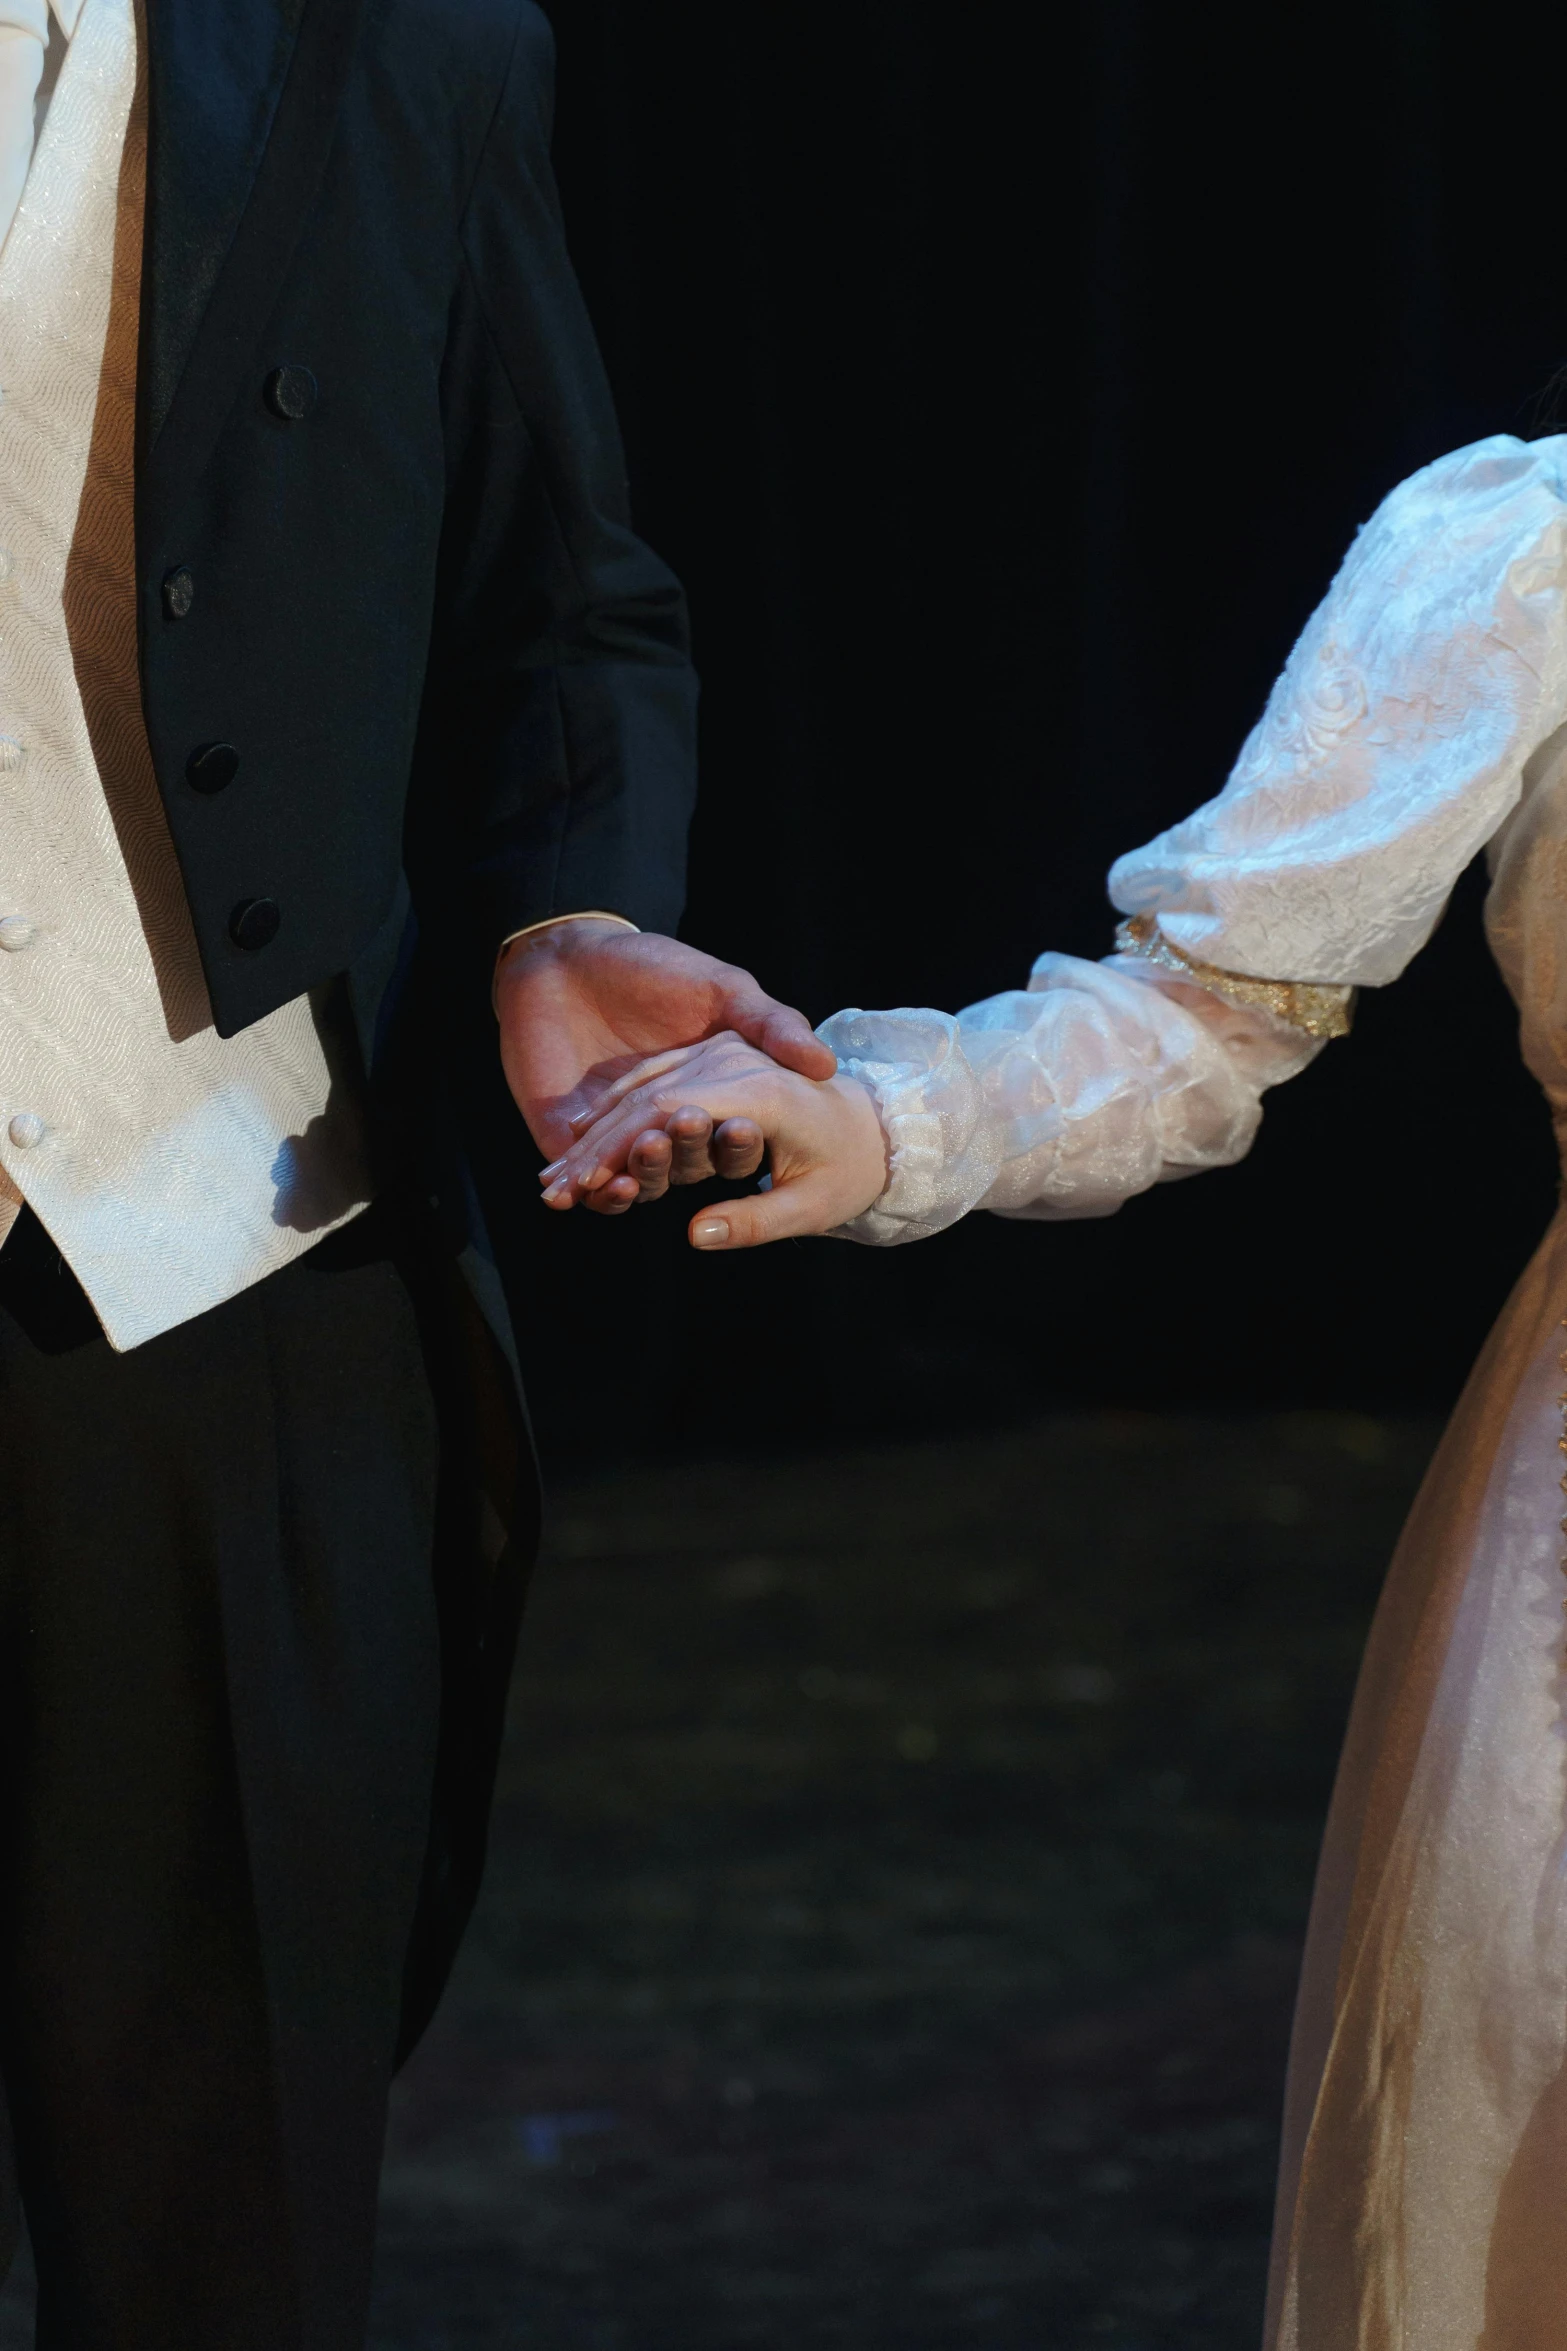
column 1391, row 750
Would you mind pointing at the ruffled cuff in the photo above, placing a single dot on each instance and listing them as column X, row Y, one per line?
column 944, row 1149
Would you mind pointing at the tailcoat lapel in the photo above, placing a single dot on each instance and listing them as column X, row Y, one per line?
column 242, row 99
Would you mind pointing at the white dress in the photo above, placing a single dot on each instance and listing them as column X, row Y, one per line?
column 1421, row 717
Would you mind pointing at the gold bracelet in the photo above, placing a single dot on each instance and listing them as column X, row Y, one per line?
column 1319, row 1007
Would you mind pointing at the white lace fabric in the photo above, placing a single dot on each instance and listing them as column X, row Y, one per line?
column 1410, row 726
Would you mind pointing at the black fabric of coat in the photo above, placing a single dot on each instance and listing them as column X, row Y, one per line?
column 410, row 679
column 398, row 580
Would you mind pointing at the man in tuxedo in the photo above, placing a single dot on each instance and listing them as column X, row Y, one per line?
column 346, row 736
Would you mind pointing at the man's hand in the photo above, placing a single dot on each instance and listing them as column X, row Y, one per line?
column 581, row 1003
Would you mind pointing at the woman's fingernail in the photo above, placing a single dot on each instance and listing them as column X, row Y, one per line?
column 553, row 1169
column 711, row 1233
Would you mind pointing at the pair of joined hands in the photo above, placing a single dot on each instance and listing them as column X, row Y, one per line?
column 639, row 1063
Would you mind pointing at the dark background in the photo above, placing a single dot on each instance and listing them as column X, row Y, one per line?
column 906, row 1825
column 1006, row 404
column 907, row 1822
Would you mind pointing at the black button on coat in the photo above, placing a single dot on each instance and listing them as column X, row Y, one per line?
column 255, row 923
column 212, row 767
column 291, row 393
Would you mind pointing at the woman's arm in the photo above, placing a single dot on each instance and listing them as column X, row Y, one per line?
column 1064, row 1099
column 1392, row 749
column 1043, row 1111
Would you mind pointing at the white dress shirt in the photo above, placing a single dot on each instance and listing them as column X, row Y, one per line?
column 172, row 1167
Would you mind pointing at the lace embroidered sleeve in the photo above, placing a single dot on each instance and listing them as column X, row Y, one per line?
column 1391, row 750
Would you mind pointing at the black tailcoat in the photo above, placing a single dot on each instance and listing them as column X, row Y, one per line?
column 416, row 610
column 411, row 682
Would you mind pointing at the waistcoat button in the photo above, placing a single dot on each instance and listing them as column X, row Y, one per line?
column 16, row 932
column 26, row 1129
column 290, row 392
column 179, row 592
column 212, row 767
column 254, row 923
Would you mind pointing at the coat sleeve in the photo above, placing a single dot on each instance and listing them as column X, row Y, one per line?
column 556, row 768
column 1395, row 745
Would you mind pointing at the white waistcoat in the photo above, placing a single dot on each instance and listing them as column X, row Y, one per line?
column 172, row 1167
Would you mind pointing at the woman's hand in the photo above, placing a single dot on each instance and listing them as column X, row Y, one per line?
column 580, row 1001
column 711, row 1107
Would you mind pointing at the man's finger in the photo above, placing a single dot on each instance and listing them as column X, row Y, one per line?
column 777, row 1029
column 689, row 1128
column 786, row 1213
column 592, row 1158
column 739, row 1147
column 649, row 1162
column 613, row 1198
column 794, row 1044
column 691, row 1133
column 589, row 1164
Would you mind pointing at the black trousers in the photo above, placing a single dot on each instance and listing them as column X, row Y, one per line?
column 219, row 1699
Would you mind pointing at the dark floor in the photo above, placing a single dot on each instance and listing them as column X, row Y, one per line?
column 898, row 1878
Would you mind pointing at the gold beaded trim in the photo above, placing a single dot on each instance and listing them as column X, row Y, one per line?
column 1315, row 1006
